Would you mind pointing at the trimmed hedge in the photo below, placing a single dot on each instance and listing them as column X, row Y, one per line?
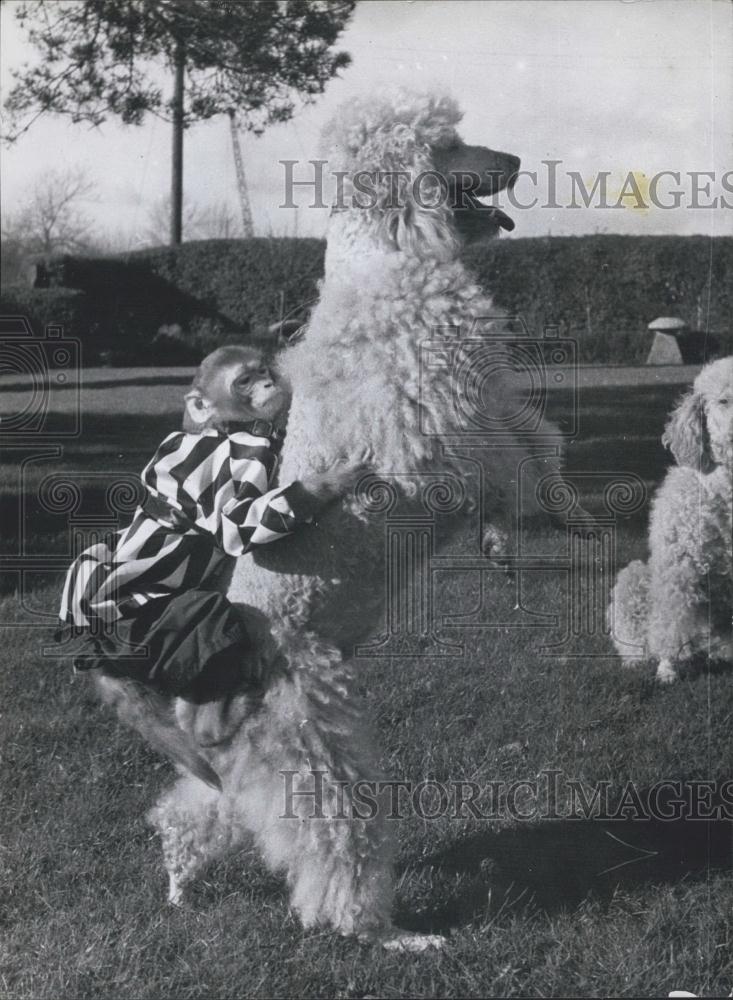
column 143, row 317
column 244, row 284
column 604, row 290
column 252, row 283
column 67, row 307
column 174, row 304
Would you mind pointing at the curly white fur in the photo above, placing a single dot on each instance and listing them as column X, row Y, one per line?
column 392, row 277
column 678, row 605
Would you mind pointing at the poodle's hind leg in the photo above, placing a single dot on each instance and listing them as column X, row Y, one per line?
column 296, row 797
column 321, row 814
column 342, row 876
column 193, row 831
column 354, row 898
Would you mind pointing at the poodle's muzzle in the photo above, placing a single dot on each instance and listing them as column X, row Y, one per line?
column 493, row 170
column 473, row 172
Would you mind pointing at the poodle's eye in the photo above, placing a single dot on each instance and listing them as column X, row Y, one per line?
column 724, row 401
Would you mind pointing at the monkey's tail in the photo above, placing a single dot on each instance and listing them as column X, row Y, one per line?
column 151, row 715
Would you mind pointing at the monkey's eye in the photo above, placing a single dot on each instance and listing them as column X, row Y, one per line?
column 242, row 381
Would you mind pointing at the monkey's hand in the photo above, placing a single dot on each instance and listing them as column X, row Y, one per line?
column 338, row 479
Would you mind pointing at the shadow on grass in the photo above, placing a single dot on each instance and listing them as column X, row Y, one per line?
column 108, row 428
column 142, row 379
column 555, row 865
column 97, row 478
column 619, row 429
column 604, row 410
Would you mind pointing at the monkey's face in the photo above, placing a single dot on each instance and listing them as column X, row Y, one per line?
column 253, row 391
column 233, row 385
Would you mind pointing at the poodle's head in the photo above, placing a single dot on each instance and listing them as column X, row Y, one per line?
column 401, row 164
column 700, row 431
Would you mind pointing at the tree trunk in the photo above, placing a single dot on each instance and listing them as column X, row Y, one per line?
column 177, row 159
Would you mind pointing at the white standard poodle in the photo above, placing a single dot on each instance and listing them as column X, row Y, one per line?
column 679, row 604
column 393, row 276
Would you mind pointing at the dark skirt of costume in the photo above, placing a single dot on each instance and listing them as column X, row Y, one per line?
column 191, row 645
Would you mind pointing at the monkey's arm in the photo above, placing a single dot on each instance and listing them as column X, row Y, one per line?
column 249, row 521
column 255, row 515
column 222, row 484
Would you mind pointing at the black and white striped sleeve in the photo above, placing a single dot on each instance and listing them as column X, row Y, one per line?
column 256, row 515
column 221, row 483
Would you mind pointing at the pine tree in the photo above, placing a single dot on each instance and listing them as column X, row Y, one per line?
column 258, row 57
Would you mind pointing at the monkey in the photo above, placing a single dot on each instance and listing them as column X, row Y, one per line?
column 171, row 651
column 233, row 383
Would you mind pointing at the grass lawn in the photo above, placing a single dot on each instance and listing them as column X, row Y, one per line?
column 534, row 906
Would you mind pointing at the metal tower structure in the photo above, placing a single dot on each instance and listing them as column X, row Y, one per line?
column 247, row 224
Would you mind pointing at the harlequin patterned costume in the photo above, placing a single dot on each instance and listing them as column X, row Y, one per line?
column 144, row 598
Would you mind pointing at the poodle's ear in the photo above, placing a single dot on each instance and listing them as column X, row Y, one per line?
column 423, row 232
column 415, row 215
column 686, row 434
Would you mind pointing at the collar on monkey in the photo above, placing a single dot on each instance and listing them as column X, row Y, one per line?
column 258, row 428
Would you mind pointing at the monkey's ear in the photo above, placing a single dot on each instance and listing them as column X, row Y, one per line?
column 199, row 411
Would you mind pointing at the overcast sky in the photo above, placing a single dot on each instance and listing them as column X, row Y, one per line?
column 601, row 85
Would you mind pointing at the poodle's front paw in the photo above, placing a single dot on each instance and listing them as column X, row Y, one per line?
column 666, row 673
column 175, row 891
column 408, row 941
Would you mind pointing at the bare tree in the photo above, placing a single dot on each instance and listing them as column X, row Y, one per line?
column 108, row 242
column 157, row 227
column 202, row 222
column 15, row 263
column 51, row 220
column 218, row 221
column 54, row 216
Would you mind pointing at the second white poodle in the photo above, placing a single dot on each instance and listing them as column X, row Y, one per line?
column 678, row 605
